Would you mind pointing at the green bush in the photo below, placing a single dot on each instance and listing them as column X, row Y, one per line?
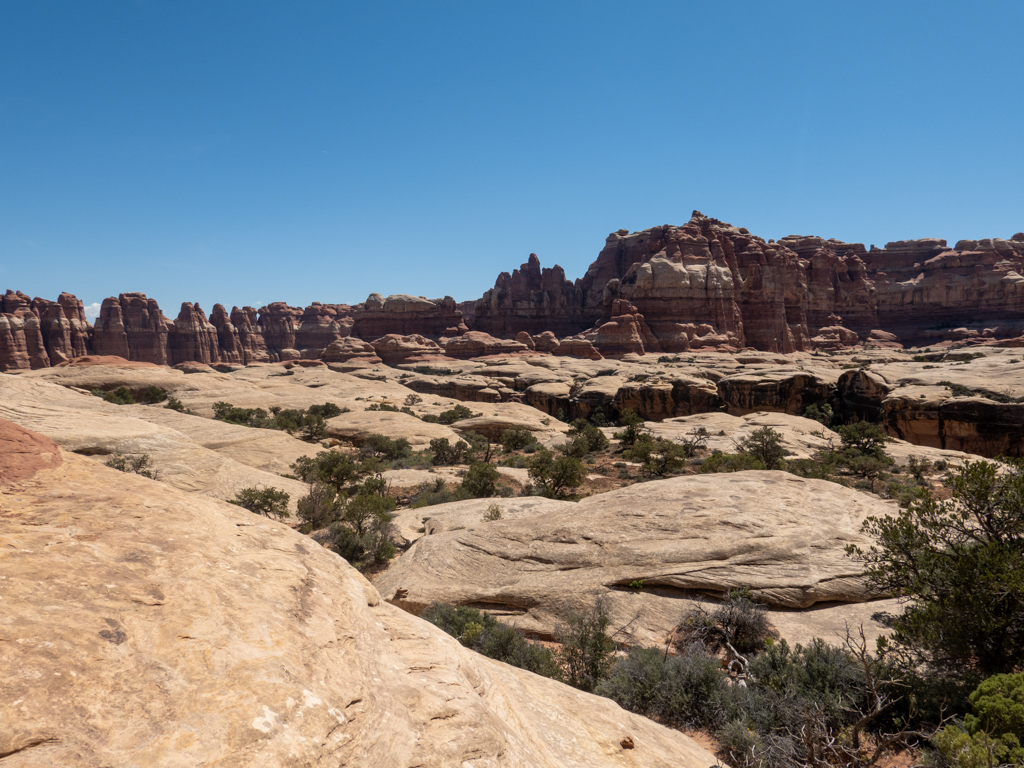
column 516, row 438
column 436, row 492
column 584, row 438
column 586, row 654
column 446, row 454
column 320, row 507
column 385, row 448
column 730, row 462
column 822, row 413
column 269, row 502
column 120, row 396
column 174, row 404
column 480, row 481
column 152, row 394
column 458, row 413
column 138, row 465
column 960, row 561
column 682, row 690
column 657, row 456
column 633, row 426
column 556, row 478
column 764, row 445
column 484, row 634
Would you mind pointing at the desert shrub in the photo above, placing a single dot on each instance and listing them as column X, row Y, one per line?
column 959, row 560
column 822, row 413
column 446, row 454
column 325, row 411
column 493, row 513
column 480, row 481
column 269, row 502
column 433, row 493
column 516, row 438
column 485, row 634
column 864, row 437
column 765, row 446
column 584, row 438
column 174, row 404
column 556, row 478
column 332, row 468
column 739, row 745
column 458, row 413
column 152, row 394
column 320, row 507
column 657, row 456
column 138, row 465
column 413, row 399
column 993, row 733
column 586, row 654
column 822, row 467
column 730, row 462
column 737, row 620
column 480, row 447
column 119, row 396
column 516, row 461
column 385, row 448
column 632, row 427
column 364, row 534
column 246, row 417
column 918, row 468
column 682, row 690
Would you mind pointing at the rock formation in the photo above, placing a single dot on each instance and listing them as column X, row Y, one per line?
column 147, row 626
column 709, row 284
column 531, row 300
column 779, row 535
column 703, row 285
column 405, row 315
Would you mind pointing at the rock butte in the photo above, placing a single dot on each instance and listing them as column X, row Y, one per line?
column 668, row 289
column 143, row 625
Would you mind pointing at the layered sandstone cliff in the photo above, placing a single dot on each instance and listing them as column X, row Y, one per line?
column 668, row 289
column 710, row 284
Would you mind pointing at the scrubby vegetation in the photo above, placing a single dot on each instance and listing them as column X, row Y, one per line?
column 269, row 502
column 310, row 424
column 138, row 465
column 348, row 508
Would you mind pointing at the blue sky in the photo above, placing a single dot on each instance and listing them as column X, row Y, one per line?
column 244, row 152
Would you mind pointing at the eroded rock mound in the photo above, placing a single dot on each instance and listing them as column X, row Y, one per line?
column 781, row 536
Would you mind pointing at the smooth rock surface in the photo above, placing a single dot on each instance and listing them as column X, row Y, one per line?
column 166, row 629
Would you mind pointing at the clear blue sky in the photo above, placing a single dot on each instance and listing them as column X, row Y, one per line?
column 244, row 152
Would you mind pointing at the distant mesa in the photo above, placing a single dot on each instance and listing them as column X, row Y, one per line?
column 668, row 289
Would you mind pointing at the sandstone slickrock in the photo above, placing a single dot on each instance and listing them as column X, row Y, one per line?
column 776, row 534
column 187, row 452
column 161, row 628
